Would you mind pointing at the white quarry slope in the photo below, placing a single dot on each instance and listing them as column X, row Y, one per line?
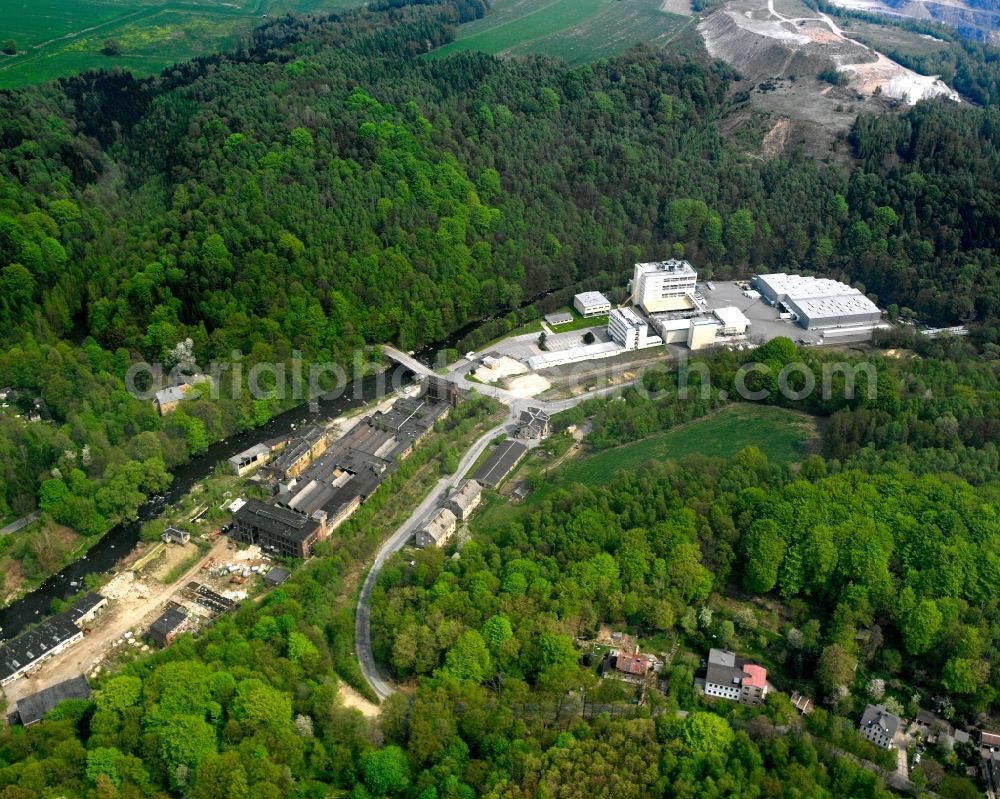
column 761, row 42
column 973, row 19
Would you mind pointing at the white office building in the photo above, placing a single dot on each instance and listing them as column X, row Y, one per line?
column 626, row 328
column 662, row 286
column 592, row 303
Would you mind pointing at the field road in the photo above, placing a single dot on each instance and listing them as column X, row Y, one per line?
column 362, row 619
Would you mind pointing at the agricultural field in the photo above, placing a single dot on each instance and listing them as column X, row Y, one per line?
column 57, row 38
column 575, row 30
column 784, row 436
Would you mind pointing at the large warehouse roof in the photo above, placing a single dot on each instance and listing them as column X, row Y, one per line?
column 800, row 287
column 843, row 305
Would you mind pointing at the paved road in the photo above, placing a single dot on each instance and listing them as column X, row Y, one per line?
column 21, row 523
column 362, row 623
column 362, row 619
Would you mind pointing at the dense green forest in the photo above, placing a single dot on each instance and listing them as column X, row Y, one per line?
column 743, row 552
column 251, row 709
column 323, row 187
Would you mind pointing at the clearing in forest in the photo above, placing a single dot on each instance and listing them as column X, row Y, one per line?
column 783, row 435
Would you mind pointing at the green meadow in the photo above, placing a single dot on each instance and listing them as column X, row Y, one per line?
column 783, row 435
column 58, row 38
column 575, row 30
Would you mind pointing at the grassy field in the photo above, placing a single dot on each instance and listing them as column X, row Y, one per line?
column 781, row 434
column 784, row 436
column 56, row 38
column 575, row 30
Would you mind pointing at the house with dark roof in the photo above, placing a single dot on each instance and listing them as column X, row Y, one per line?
column 533, row 423
column 731, row 677
column 168, row 626
column 879, row 726
column 32, row 709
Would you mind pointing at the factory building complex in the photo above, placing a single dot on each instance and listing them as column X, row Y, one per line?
column 316, row 485
column 667, row 306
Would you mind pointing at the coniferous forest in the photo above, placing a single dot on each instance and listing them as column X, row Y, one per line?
column 323, row 187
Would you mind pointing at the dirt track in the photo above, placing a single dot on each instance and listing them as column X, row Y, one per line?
column 129, row 612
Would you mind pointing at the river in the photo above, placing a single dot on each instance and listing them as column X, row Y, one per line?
column 120, row 540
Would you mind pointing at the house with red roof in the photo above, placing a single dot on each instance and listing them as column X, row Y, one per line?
column 632, row 668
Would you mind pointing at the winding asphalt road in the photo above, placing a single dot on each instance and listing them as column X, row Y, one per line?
column 362, row 618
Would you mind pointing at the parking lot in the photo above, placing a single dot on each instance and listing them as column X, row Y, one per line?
column 764, row 322
column 523, row 347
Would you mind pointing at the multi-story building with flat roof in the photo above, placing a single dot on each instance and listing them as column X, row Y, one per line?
column 662, row 286
column 592, row 303
column 626, row 328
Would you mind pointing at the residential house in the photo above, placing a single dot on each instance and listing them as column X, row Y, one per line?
column 533, row 423
column 879, row 726
column 731, row 677
column 464, row 501
column 437, row 530
column 174, row 536
column 631, row 668
column 166, row 400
